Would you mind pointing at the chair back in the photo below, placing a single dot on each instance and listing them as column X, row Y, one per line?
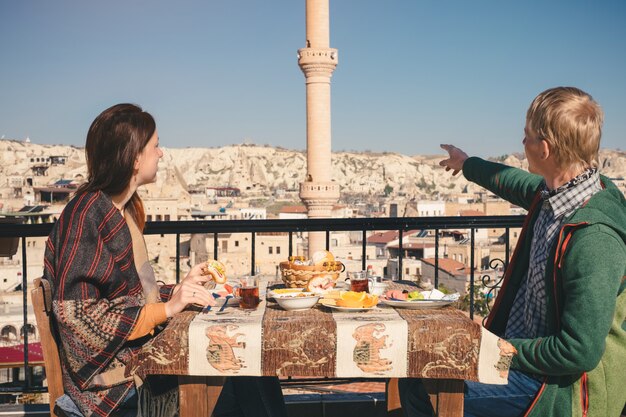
column 42, row 304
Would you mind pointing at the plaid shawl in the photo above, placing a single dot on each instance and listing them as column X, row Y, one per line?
column 97, row 297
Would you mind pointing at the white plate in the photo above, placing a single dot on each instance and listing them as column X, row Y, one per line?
column 336, row 307
column 232, row 301
column 417, row 304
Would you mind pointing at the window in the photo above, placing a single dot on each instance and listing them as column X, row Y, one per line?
column 9, row 332
column 277, row 250
column 28, row 328
column 270, row 249
column 149, row 217
column 406, row 271
column 167, row 217
column 158, row 217
column 236, row 243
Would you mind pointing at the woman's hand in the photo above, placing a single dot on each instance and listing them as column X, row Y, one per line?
column 190, row 291
column 456, row 159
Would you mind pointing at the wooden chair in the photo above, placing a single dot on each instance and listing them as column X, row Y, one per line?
column 394, row 408
column 42, row 304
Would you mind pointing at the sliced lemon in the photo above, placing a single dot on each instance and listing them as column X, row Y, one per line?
column 352, row 296
column 357, row 300
column 370, row 301
column 349, row 303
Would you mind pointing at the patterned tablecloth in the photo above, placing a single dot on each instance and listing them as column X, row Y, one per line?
column 383, row 342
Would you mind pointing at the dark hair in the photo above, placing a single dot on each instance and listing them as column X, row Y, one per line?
column 114, row 141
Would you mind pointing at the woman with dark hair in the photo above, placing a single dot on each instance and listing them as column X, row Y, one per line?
column 106, row 300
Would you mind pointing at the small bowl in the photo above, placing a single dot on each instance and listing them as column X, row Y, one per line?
column 297, row 302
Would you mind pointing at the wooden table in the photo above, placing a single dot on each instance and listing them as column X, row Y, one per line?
column 440, row 345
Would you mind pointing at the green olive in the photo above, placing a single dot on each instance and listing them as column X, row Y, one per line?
column 415, row 295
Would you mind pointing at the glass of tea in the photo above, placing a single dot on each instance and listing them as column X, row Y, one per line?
column 358, row 281
column 249, row 292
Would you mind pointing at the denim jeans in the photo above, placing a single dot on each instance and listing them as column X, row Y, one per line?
column 480, row 400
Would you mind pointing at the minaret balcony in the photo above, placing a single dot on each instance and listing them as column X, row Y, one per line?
column 318, row 62
column 313, row 190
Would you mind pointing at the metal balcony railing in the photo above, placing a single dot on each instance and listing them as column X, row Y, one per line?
column 253, row 227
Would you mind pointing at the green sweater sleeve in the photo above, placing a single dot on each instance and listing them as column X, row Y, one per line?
column 512, row 184
column 591, row 275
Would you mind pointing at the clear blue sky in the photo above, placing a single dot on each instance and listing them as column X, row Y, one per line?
column 411, row 74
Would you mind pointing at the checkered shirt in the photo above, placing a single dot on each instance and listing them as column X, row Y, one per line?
column 527, row 318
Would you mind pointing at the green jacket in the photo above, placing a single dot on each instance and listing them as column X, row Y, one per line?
column 584, row 358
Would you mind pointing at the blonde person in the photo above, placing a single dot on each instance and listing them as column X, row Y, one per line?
column 562, row 304
column 106, row 300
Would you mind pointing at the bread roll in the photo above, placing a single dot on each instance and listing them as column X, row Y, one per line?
column 320, row 284
column 322, row 256
column 216, row 270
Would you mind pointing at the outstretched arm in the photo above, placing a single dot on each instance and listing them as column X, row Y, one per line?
column 512, row 184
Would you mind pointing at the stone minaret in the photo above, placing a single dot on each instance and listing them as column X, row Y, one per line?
column 318, row 61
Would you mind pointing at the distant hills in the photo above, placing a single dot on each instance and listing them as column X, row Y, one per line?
column 262, row 169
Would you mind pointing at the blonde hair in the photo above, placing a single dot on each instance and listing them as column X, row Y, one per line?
column 571, row 122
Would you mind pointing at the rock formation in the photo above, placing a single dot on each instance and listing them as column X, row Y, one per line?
column 261, row 170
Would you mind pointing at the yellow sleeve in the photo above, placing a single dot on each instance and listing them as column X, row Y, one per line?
column 150, row 316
